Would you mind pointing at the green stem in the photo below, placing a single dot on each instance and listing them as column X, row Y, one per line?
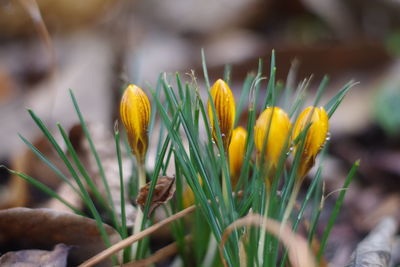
column 224, row 182
column 291, row 203
column 139, row 212
column 142, row 175
column 261, row 244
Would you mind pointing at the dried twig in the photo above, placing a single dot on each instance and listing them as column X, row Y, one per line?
column 134, row 238
column 299, row 252
column 159, row 255
column 32, row 8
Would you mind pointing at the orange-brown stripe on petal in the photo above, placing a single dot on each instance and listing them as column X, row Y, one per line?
column 135, row 115
column 224, row 103
column 275, row 133
column 315, row 137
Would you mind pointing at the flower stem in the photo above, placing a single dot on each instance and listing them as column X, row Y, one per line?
column 291, row 203
column 139, row 212
column 261, row 244
column 224, row 181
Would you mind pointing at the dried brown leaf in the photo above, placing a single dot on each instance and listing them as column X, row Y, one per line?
column 34, row 257
column 24, row 228
column 19, row 192
column 105, row 254
column 163, row 191
column 375, row 250
column 387, row 207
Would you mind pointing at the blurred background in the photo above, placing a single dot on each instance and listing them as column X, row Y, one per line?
column 95, row 47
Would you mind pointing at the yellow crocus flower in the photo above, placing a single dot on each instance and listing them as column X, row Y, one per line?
column 315, row 137
column 237, row 152
column 224, row 103
column 277, row 130
column 135, row 115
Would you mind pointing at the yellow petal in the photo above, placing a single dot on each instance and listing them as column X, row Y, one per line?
column 237, row 152
column 188, row 195
column 277, row 130
column 135, row 115
column 315, row 137
column 224, row 103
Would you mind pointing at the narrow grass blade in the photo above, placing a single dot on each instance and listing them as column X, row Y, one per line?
column 94, row 151
column 336, row 209
column 86, row 176
column 227, row 74
column 310, row 192
column 204, row 64
column 82, row 188
column 244, row 96
column 44, row 188
column 48, row 163
column 123, row 230
column 333, row 104
column 321, row 90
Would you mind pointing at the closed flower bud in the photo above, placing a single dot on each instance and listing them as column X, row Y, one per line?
column 315, row 137
column 224, row 103
column 277, row 130
column 135, row 115
column 188, row 194
column 236, row 153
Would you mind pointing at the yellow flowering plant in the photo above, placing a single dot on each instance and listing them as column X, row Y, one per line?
column 234, row 170
column 135, row 115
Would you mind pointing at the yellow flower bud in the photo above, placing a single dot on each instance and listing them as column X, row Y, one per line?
column 188, row 195
column 224, row 103
column 236, row 153
column 135, row 115
column 277, row 130
column 315, row 137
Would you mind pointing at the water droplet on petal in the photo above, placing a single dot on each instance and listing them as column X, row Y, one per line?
column 328, row 136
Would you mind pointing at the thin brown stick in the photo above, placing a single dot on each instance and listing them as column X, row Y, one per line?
column 32, row 8
column 134, row 238
column 299, row 252
column 159, row 255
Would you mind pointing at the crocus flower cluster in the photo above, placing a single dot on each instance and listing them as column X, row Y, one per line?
column 273, row 132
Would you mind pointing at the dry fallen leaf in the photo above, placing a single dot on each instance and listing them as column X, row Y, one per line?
column 375, row 249
column 23, row 228
column 387, row 207
column 35, row 257
column 20, row 192
column 163, row 191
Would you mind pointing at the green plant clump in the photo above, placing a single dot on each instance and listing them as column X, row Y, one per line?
column 238, row 192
